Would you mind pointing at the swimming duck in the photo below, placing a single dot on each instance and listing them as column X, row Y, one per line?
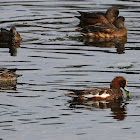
column 87, row 18
column 102, row 93
column 10, row 36
column 110, row 30
column 8, row 74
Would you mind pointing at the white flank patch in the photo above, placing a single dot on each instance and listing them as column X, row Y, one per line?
column 104, row 95
column 89, row 96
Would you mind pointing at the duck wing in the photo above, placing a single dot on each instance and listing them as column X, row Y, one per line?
column 90, row 93
column 91, row 15
column 100, row 27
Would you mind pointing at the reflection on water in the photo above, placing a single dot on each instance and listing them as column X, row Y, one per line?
column 118, row 43
column 53, row 57
column 117, row 107
column 12, row 47
column 9, row 87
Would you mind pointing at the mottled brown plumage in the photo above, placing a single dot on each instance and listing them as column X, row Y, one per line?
column 87, row 18
column 10, row 36
column 100, row 30
column 6, row 74
column 8, row 77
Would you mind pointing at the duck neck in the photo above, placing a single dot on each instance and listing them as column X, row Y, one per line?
column 119, row 25
column 119, row 22
column 114, row 85
column 109, row 17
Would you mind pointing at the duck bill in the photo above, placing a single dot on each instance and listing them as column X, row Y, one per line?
column 127, row 91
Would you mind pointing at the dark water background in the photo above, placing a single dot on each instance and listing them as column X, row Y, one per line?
column 53, row 56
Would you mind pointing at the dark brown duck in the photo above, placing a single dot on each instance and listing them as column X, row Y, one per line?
column 101, row 30
column 87, row 18
column 10, row 35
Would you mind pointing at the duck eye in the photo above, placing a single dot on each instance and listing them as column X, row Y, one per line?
column 117, row 12
column 123, row 81
column 123, row 19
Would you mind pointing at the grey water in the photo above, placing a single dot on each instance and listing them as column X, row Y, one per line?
column 52, row 57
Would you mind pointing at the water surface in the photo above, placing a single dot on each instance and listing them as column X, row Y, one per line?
column 52, row 57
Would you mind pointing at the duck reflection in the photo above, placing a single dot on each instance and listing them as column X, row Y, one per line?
column 8, row 78
column 118, row 107
column 118, row 43
column 10, row 39
column 12, row 47
column 10, row 35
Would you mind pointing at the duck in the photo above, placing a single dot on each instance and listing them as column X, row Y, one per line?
column 102, row 93
column 8, row 75
column 87, row 18
column 101, row 30
column 10, row 35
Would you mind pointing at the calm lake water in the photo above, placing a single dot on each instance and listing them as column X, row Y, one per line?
column 52, row 57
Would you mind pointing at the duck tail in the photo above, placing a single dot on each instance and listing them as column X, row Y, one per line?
column 81, row 13
column 74, row 94
column 71, row 95
column 83, row 31
column 79, row 17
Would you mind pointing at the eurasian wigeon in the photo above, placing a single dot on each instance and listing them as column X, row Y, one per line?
column 10, row 36
column 102, row 93
column 100, row 30
column 87, row 18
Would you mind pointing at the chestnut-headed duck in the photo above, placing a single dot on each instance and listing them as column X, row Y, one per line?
column 102, row 93
column 10, row 36
column 87, row 18
column 100, row 30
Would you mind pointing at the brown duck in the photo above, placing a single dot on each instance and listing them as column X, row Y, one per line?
column 87, row 18
column 10, row 36
column 102, row 93
column 109, row 30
